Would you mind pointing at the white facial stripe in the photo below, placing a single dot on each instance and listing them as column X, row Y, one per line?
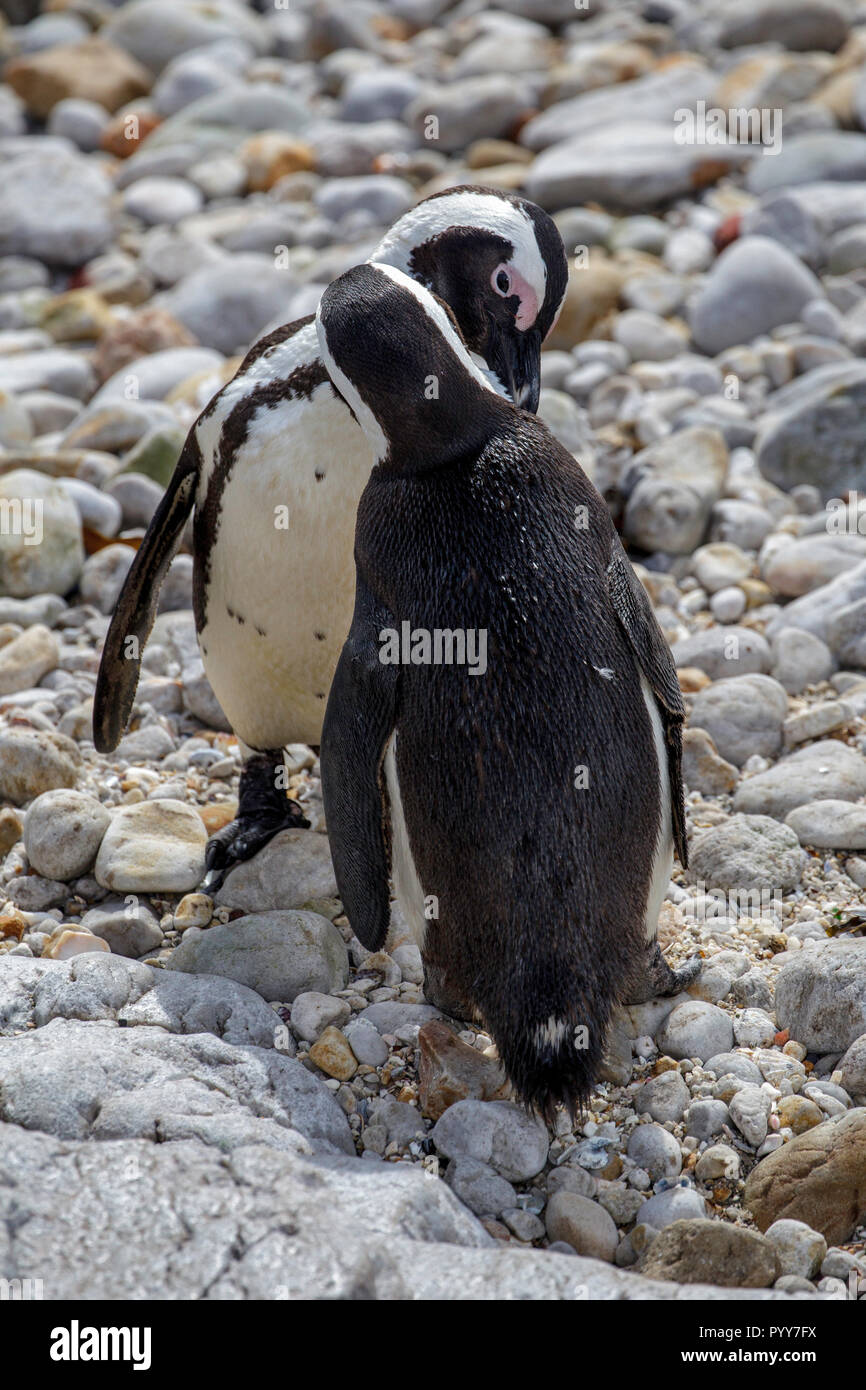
column 476, row 210
column 440, row 319
column 366, row 419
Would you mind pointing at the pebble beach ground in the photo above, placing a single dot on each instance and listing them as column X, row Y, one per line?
column 259, row 1106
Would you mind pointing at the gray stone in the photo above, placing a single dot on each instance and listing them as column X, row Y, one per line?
column 33, row 761
column 845, row 634
column 734, row 1064
column 278, row 954
column 752, row 991
column 821, row 995
column 747, row 852
column 477, row 107
column 695, row 1029
column 313, row 1012
column 366, row 1042
column 706, row 1118
column 724, row 652
column 104, row 574
column 852, row 1070
column 152, row 847
column 41, row 549
column 800, row 659
column 829, row 824
column 480, row 1187
column 753, row 286
column 676, row 1204
column 750, row 1112
column 799, row 1249
column 227, row 305
column 495, row 1132
column 129, row 926
column 824, row 771
column 156, row 31
column 27, row 658
column 664, row 1097
column 77, row 1080
column 54, row 206
column 671, row 488
column 798, row 25
column 582, row 1224
column 376, row 1232
column 62, row 833
column 815, row 612
column 293, row 868
column 655, row 1150
column 813, row 432
column 754, row 1028
column 743, row 715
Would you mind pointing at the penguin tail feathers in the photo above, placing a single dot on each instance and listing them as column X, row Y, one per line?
column 554, row 1059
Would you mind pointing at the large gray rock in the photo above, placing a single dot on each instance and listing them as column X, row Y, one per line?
column 798, row 25
column 627, row 166
column 748, row 852
column 62, row 833
column 494, row 1132
column 41, row 549
column 743, row 716
column 293, row 869
column 852, row 1070
column 335, row 1230
column 817, row 611
column 813, row 431
column 227, row 305
column 821, row 995
column 278, row 954
column 54, row 206
column 724, row 652
column 34, row 761
column 156, row 31
column 829, row 824
column 655, row 97
column 671, row 488
column 152, row 847
column 824, row 771
column 90, row 1080
column 487, row 106
column 98, row 988
column 807, row 216
column 753, row 286
column 695, row 1029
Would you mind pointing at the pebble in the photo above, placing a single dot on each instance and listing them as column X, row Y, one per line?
column 34, row 761
column 744, row 716
column 675, row 1204
column 582, row 1224
column 62, row 833
column 656, row 1150
column 830, row 769
column 821, row 995
column 695, row 1029
column 695, row 1251
column 494, row 1132
column 41, row 551
column 152, row 847
column 278, row 954
column 313, row 1012
column 128, row 927
column 755, row 285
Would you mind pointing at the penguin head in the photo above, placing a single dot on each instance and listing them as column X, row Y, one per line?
column 396, row 356
column 498, row 262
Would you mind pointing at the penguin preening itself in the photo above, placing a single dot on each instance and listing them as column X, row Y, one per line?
column 527, row 805
column 274, row 467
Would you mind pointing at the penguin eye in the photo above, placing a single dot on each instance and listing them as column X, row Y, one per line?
column 501, row 281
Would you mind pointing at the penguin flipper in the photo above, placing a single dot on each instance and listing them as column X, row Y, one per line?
column 636, row 616
column 135, row 609
column 359, row 721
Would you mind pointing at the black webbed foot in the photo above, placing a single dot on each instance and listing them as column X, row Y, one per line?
column 263, row 811
column 659, row 981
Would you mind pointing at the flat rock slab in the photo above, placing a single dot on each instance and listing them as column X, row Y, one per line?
column 95, row 1080
column 269, row 1225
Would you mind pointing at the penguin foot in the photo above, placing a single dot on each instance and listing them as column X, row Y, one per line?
column 263, row 811
column 659, row 981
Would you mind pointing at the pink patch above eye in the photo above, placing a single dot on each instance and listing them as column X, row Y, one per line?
column 528, row 311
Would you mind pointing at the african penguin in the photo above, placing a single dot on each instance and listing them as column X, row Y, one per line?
column 274, row 467
column 503, row 733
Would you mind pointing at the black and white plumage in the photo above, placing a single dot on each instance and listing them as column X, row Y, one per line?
column 528, row 815
column 274, row 467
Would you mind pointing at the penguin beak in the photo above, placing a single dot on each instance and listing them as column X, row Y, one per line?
column 515, row 357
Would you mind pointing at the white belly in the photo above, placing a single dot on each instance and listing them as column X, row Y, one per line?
column 664, row 855
column 280, row 596
column 407, row 885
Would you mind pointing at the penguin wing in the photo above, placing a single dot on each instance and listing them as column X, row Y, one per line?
column 135, row 609
column 359, row 721
column 654, row 658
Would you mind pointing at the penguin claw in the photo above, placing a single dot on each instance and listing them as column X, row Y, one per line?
column 659, row 981
column 243, row 838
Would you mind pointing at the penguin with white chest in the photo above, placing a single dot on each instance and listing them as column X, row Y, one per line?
column 527, row 806
column 274, row 467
